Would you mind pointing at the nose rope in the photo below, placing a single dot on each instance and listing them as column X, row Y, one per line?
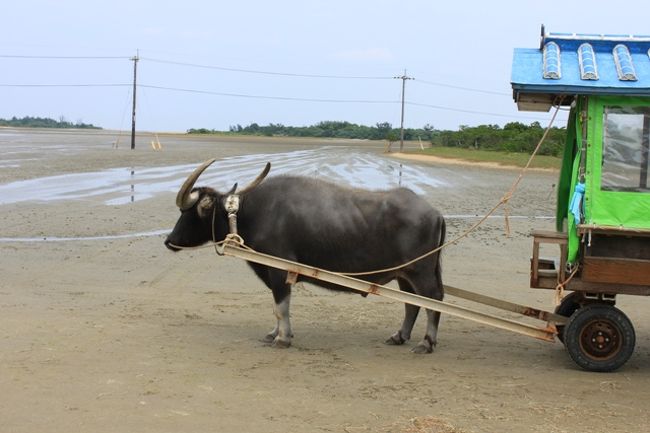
column 232, row 206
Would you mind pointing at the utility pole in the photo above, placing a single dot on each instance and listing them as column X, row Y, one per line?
column 135, row 75
column 401, row 134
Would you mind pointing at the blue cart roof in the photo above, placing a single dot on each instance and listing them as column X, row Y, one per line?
column 580, row 64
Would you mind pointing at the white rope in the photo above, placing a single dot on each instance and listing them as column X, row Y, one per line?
column 239, row 241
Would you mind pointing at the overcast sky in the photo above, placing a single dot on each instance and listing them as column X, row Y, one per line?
column 212, row 64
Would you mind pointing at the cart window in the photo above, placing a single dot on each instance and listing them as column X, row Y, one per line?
column 626, row 139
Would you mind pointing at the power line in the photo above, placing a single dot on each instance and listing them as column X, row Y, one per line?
column 252, row 71
column 65, row 85
column 468, row 89
column 10, row 56
column 262, row 72
column 208, row 92
column 268, row 97
column 460, row 110
column 361, row 101
column 282, row 98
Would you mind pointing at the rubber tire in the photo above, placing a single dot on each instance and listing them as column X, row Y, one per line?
column 567, row 307
column 615, row 324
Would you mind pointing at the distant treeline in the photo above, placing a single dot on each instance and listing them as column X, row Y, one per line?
column 328, row 129
column 512, row 137
column 43, row 122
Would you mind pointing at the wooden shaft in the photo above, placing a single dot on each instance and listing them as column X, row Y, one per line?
column 546, row 334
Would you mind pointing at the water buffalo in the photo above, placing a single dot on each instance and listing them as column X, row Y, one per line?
column 327, row 226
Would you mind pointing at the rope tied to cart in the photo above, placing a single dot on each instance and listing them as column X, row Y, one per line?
column 502, row 202
column 235, row 239
column 559, row 289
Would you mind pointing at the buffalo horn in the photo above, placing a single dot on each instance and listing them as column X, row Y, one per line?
column 257, row 180
column 184, row 199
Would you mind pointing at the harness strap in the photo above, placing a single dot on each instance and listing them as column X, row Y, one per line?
column 232, row 207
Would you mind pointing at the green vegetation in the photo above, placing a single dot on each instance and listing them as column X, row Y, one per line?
column 328, row 129
column 514, row 137
column 516, row 159
column 42, row 122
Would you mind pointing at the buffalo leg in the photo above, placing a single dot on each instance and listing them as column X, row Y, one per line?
column 430, row 339
column 428, row 284
column 410, row 314
column 281, row 335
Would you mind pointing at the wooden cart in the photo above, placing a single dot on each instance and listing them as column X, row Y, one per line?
column 603, row 211
column 603, row 207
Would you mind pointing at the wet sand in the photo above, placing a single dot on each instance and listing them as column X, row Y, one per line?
column 458, row 161
column 102, row 329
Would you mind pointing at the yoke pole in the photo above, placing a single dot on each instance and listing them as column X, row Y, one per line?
column 546, row 334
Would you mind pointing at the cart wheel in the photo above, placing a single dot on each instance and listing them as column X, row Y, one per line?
column 567, row 307
column 599, row 337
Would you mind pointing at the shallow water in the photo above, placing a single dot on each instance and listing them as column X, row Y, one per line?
column 118, row 186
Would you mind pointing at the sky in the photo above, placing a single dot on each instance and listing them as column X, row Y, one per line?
column 215, row 64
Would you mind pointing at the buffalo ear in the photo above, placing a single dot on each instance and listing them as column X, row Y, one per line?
column 233, row 189
column 205, row 205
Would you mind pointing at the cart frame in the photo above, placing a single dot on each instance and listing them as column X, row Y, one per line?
column 546, row 333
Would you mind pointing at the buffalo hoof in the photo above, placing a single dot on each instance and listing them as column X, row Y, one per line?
column 395, row 340
column 268, row 339
column 281, row 344
column 422, row 348
column 425, row 346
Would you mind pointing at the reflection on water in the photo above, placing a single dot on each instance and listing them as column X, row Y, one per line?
column 117, row 186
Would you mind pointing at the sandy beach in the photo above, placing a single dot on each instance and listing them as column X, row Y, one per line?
column 102, row 329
